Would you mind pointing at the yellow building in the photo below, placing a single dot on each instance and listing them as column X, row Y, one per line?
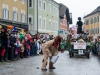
column 14, row 12
column 92, row 22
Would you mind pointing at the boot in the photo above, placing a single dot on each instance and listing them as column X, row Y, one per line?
column 2, row 60
column 6, row 59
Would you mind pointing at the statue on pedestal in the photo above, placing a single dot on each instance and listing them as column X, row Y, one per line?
column 79, row 26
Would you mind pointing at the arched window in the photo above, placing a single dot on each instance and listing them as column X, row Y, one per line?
column 23, row 18
column 5, row 13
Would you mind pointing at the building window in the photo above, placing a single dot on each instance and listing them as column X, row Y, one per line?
column 15, row 0
column 40, row 4
column 5, row 13
column 30, row 3
column 94, row 30
column 23, row 1
column 97, row 30
column 30, row 20
column 97, row 20
column 56, row 11
column 50, row 25
column 91, row 21
column 15, row 15
column 94, row 19
column 23, row 17
column 40, row 22
column 54, row 26
column 44, row 22
column 44, row 6
column 49, row 8
column 87, row 22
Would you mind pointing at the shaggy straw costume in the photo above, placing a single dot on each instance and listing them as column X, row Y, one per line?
column 49, row 49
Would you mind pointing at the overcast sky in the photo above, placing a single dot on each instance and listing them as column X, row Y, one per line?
column 79, row 8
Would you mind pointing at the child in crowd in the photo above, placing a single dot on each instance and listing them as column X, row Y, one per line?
column 18, row 47
column 27, row 47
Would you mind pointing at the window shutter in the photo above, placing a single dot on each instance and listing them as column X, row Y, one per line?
column 25, row 19
column 94, row 31
column 21, row 17
column 98, row 30
column 8, row 14
column 12, row 15
column 17, row 16
column 3, row 13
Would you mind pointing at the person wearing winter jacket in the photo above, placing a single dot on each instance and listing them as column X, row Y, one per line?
column 3, row 38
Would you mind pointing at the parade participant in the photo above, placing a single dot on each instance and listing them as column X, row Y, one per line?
column 73, row 36
column 68, row 41
column 49, row 49
column 62, row 47
column 80, row 37
column 79, row 26
column 93, row 46
column 89, row 38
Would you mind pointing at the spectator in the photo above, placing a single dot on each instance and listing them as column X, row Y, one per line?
column 12, row 42
column 3, row 38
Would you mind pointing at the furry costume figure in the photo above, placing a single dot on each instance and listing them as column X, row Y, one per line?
column 49, row 49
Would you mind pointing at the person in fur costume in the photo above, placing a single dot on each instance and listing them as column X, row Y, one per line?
column 49, row 49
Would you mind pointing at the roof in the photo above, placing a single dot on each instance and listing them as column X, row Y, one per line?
column 55, row 2
column 93, row 12
column 63, row 10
